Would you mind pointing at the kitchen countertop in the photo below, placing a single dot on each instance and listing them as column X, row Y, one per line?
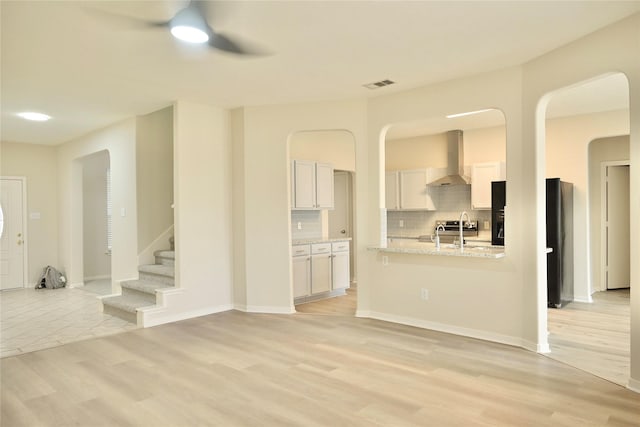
column 412, row 246
column 471, row 250
column 319, row 240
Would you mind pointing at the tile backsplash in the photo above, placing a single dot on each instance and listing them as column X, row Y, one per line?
column 311, row 223
column 449, row 201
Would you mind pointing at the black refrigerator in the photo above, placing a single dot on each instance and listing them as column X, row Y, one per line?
column 560, row 241
column 559, row 202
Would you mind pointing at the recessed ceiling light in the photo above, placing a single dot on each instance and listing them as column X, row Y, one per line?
column 452, row 116
column 33, row 116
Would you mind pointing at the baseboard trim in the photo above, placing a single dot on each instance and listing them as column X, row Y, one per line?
column 634, row 385
column 264, row 309
column 541, row 348
column 588, row 299
column 441, row 327
column 154, row 317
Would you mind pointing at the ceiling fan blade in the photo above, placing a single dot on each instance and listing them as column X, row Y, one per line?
column 225, row 43
column 124, row 21
column 222, row 42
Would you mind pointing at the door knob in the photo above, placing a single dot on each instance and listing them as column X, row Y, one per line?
column 20, row 241
column 19, row 234
column 343, row 231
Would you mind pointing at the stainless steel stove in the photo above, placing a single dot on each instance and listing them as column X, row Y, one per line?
column 451, row 230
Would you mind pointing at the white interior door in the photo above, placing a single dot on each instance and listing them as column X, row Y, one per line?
column 12, row 239
column 617, row 258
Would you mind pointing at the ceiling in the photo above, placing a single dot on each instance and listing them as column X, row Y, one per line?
column 88, row 66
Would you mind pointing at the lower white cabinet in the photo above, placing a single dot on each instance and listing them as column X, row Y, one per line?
column 340, row 274
column 301, row 265
column 320, row 268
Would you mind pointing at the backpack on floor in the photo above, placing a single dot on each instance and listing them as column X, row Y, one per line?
column 51, row 279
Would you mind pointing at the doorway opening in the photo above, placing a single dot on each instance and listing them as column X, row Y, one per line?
column 592, row 330
column 96, row 223
column 323, row 221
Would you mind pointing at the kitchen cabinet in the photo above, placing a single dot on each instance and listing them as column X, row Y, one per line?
column 340, row 274
column 408, row 190
column 311, row 185
column 482, row 174
column 414, row 193
column 301, row 265
column 320, row 268
column 392, row 190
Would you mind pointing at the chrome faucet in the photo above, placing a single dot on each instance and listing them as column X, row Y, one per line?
column 461, row 224
column 437, row 241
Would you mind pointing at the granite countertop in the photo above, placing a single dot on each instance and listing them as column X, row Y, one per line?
column 319, row 240
column 412, row 246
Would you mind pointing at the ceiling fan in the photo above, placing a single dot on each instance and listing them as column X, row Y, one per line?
column 190, row 25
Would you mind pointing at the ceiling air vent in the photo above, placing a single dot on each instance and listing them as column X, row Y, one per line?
column 381, row 83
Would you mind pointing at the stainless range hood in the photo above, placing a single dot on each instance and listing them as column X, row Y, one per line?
column 455, row 161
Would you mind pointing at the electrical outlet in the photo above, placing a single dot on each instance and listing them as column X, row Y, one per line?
column 299, row 226
column 401, row 223
column 486, row 225
column 424, row 294
column 385, row 260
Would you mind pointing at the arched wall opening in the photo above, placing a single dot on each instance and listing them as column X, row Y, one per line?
column 96, row 218
column 418, row 156
column 334, row 148
column 570, row 119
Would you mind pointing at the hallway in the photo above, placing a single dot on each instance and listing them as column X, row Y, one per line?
column 594, row 337
column 35, row 319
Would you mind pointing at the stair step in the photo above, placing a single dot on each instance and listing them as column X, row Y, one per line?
column 157, row 272
column 144, row 286
column 125, row 306
column 165, row 257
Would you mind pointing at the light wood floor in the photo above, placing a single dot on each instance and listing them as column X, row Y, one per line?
column 239, row 369
column 594, row 337
column 339, row 306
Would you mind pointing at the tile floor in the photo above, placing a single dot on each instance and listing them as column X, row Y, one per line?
column 37, row 319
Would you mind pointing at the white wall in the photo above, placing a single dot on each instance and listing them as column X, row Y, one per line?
column 430, row 151
column 567, row 142
column 600, row 150
column 262, row 188
column 329, row 146
column 96, row 260
column 154, row 175
column 474, row 297
column 119, row 140
column 427, row 151
column 39, row 164
column 203, row 221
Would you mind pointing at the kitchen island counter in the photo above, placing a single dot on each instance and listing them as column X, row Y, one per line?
column 412, row 246
column 319, row 240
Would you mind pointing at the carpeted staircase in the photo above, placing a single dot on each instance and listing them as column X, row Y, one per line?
column 142, row 292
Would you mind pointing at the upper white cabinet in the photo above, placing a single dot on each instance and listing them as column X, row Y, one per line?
column 311, row 185
column 408, row 190
column 392, row 190
column 324, row 186
column 482, row 174
column 414, row 193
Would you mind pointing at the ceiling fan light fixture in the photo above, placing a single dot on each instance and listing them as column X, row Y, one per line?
column 189, row 34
